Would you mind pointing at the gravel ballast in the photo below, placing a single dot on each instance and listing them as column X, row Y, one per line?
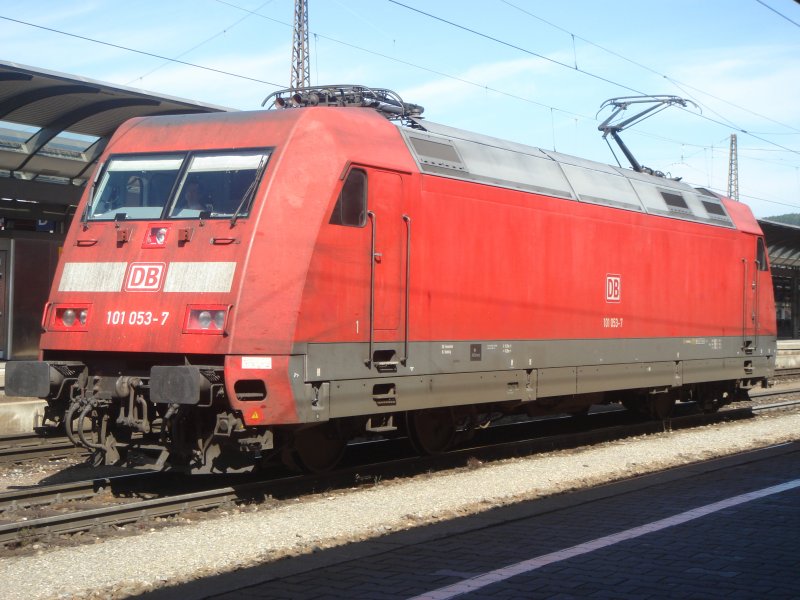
column 122, row 566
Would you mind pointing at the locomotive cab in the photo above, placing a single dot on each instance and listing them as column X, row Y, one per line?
column 149, row 269
column 174, row 316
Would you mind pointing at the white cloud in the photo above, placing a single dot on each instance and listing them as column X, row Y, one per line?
column 487, row 74
column 763, row 79
column 189, row 82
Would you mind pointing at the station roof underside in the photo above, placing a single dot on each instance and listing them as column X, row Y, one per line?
column 783, row 242
column 53, row 128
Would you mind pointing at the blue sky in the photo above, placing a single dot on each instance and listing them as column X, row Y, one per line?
column 541, row 80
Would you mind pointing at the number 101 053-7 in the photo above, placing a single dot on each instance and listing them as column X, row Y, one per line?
column 612, row 322
column 135, row 317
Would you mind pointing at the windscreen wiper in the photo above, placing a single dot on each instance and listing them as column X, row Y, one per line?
column 248, row 194
column 90, row 201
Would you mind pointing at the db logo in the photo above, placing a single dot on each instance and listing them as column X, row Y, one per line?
column 144, row 277
column 613, row 288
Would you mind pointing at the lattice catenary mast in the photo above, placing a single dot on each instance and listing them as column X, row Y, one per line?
column 733, row 171
column 301, row 71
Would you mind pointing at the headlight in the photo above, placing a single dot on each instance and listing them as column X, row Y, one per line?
column 69, row 317
column 206, row 319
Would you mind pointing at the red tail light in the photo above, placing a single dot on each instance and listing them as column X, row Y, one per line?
column 206, row 318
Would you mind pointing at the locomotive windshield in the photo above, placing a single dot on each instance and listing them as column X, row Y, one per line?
column 214, row 184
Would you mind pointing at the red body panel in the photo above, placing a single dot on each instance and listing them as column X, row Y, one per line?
column 489, row 263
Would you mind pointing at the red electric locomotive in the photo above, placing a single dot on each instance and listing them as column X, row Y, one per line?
column 238, row 286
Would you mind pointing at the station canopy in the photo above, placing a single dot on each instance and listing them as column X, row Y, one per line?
column 783, row 242
column 54, row 127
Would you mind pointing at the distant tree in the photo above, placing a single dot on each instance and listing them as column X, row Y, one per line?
column 790, row 219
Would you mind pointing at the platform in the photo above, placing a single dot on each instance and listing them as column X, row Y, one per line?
column 788, row 354
column 724, row 529
column 18, row 415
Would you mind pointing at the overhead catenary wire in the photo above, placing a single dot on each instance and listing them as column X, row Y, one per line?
column 408, row 63
column 579, row 70
column 198, row 45
column 496, row 90
column 430, row 70
column 780, row 14
column 466, row 81
column 729, row 123
column 574, row 68
column 551, row 108
column 142, row 52
column 516, row 47
column 627, row 59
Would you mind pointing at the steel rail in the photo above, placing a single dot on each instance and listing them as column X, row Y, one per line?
column 111, row 515
column 126, row 513
column 39, row 495
column 30, row 446
column 787, row 372
column 292, row 486
column 775, row 406
column 770, row 392
column 47, row 494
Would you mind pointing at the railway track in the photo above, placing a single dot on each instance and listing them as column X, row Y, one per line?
column 27, row 447
column 18, row 532
column 787, row 373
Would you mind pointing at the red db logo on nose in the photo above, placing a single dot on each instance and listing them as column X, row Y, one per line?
column 613, row 288
column 144, row 277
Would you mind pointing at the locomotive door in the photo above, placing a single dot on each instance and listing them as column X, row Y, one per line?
column 754, row 271
column 385, row 193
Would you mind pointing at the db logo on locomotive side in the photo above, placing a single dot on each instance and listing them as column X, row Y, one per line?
column 613, row 288
column 145, row 277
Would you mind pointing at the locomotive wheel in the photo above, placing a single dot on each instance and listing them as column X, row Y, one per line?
column 317, row 449
column 662, row 406
column 432, row 431
column 651, row 407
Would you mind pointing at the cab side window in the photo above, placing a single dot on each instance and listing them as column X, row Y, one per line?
column 761, row 255
column 351, row 206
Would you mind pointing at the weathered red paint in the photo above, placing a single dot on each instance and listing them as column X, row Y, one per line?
column 487, row 263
